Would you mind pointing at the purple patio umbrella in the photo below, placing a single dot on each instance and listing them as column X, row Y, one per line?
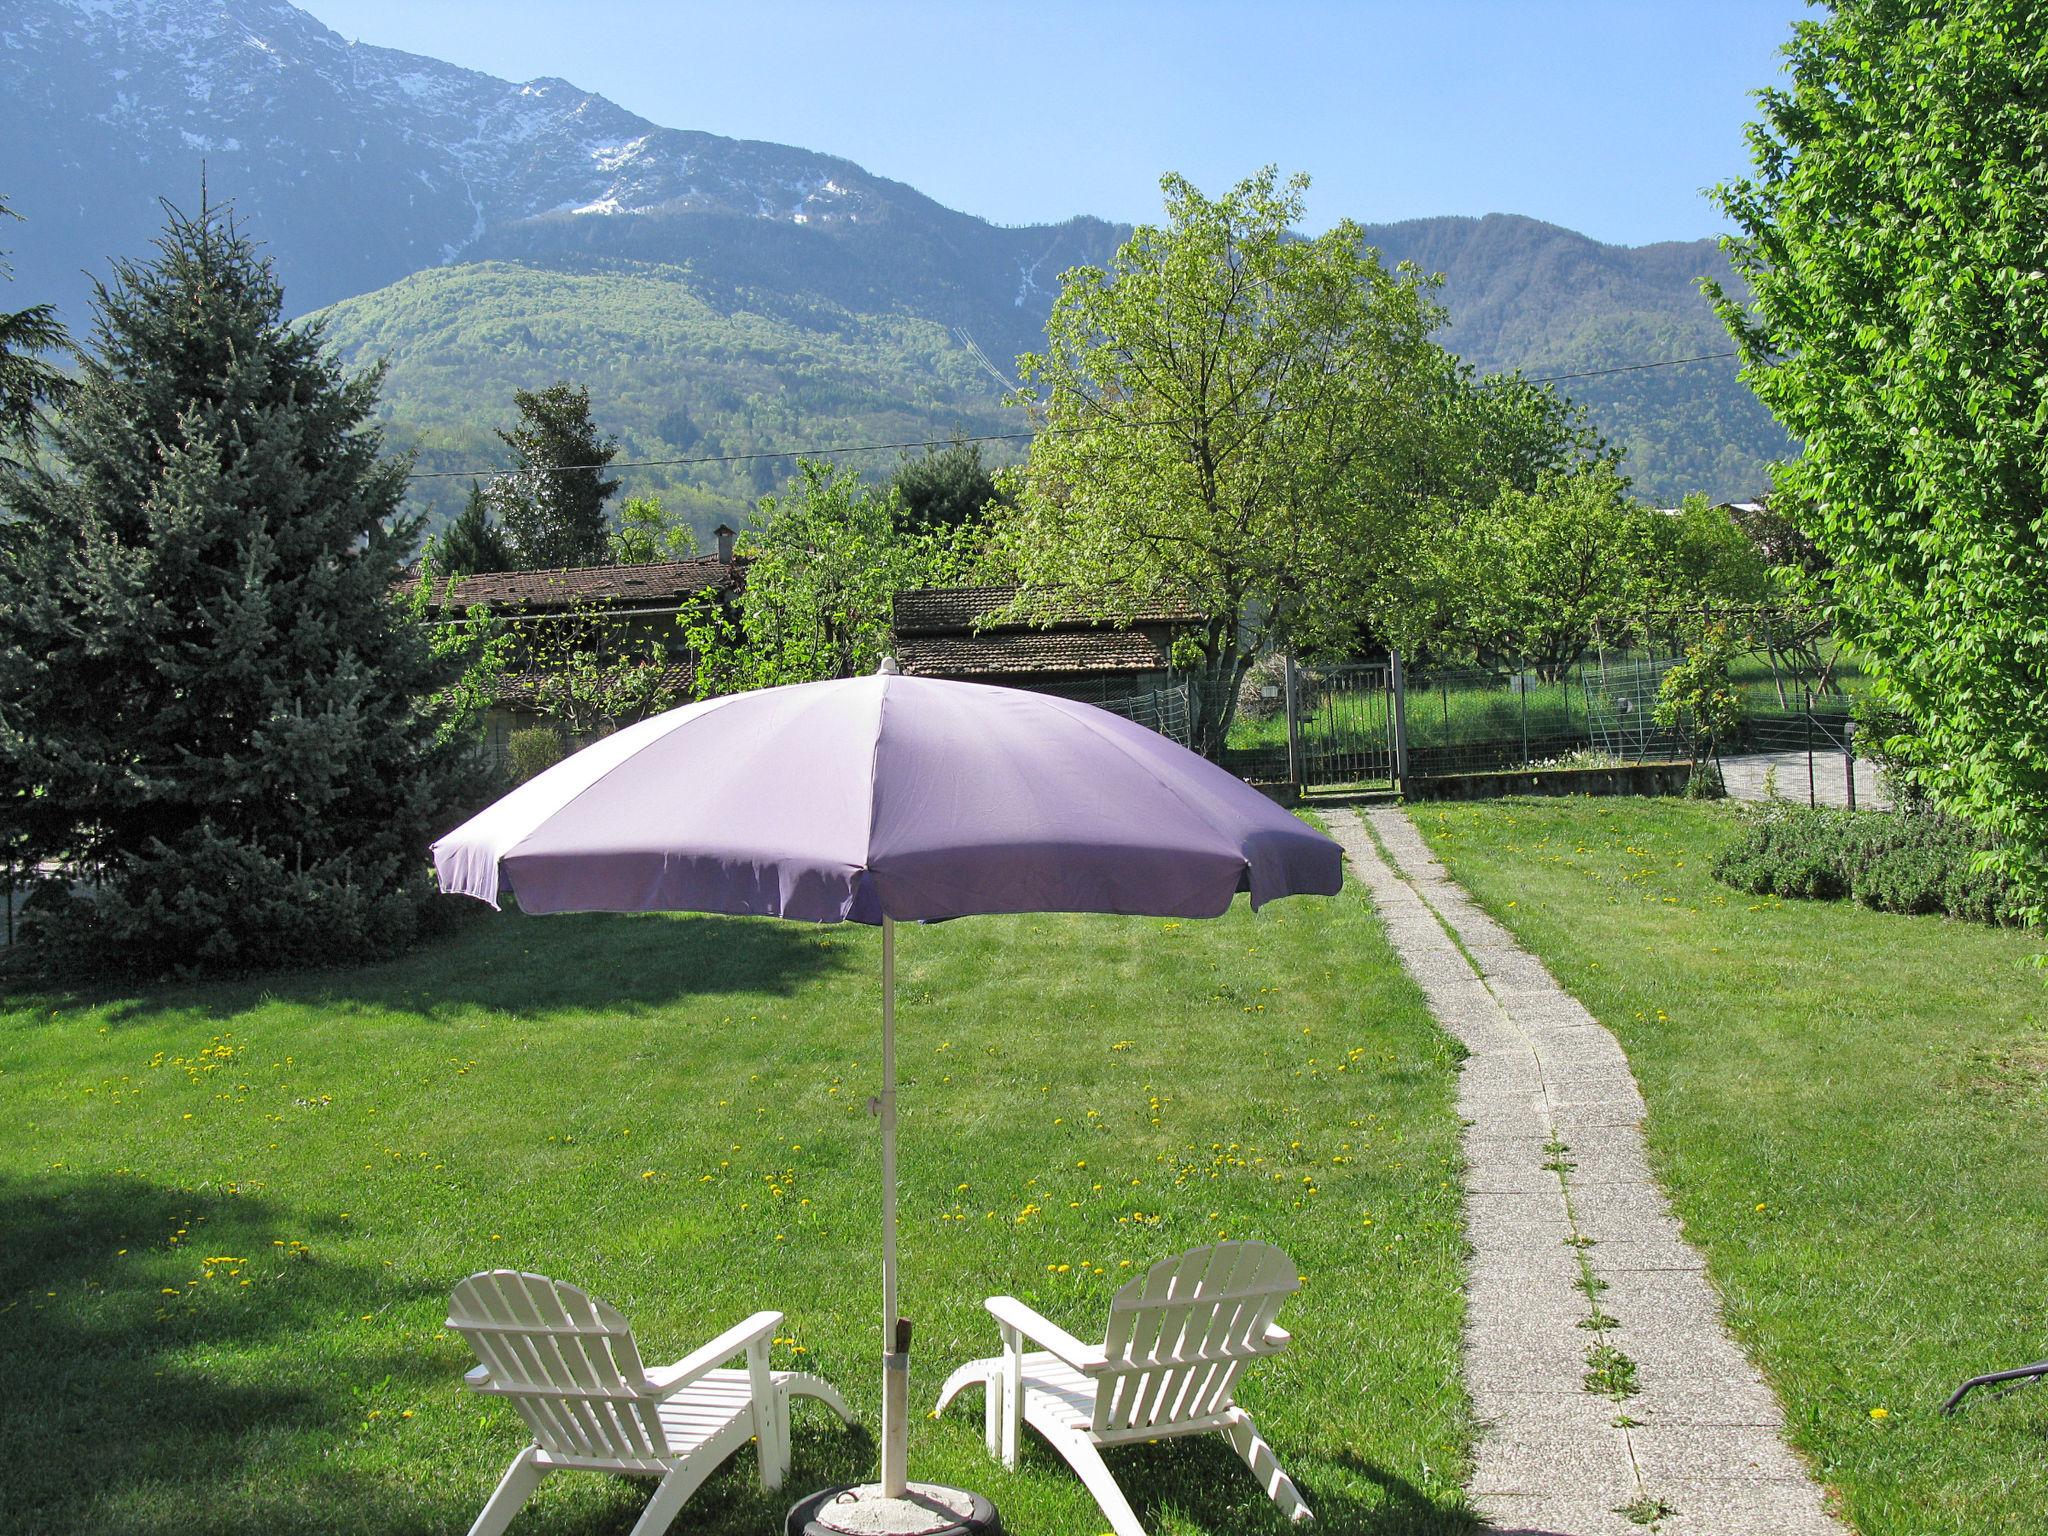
column 881, row 800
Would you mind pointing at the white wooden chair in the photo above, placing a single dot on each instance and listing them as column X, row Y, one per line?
column 1179, row 1337
column 568, row 1363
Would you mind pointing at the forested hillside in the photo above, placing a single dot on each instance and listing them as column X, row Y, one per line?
column 676, row 366
column 684, row 362
column 1529, row 295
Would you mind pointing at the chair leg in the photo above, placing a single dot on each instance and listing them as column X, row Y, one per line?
column 771, row 1416
column 1245, row 1440
column 514, row 1489
column 992, row 1410
column 1013, row 1395
column 670, row 1495
column 771, row 1435
column 1079, row 1452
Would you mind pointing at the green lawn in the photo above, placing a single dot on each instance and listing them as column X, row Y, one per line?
column 1849, row 1109
column 233, row 1213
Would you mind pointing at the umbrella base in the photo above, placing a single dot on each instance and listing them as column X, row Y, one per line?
column 930, row 1509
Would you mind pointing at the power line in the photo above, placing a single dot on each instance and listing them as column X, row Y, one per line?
column 1601, row 373
column 986, row 437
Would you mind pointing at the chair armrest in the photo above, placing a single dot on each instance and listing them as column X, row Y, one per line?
column 477, row 1378
column 1012, row 1313
column 1279, row 1338
column 674, row 1378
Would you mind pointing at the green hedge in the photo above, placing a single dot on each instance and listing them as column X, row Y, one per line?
column 1892, row 861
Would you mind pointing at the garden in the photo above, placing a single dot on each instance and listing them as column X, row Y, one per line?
column 235, row 1211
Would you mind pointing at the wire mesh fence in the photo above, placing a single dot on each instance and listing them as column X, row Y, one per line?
column 1599, row 709
column 1166, row 709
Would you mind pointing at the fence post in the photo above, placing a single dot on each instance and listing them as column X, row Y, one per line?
column 1293, row 719
column 1397, row 681
column 1811, row 798
column 1522, row 685
column 1849, row 760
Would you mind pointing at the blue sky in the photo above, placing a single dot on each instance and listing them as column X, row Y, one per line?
column 1607, row 116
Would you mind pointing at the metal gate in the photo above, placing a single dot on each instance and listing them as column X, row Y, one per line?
column 1621, row 707
column 1343, row 724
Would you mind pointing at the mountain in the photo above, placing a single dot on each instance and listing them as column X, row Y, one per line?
column 1529, row 295
column 720, row 296
column 677, row 366
column 358, row 165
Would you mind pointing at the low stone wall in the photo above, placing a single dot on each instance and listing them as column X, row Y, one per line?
column 1625, row 779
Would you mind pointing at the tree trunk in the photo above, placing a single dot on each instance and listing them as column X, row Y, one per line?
column 1216, row 688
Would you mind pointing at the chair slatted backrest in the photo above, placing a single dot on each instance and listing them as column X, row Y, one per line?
column 1182, row 1333
column 566, row 1360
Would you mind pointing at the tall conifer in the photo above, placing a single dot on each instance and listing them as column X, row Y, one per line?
column 473, row 542
column 551, row 506
column 209, row 705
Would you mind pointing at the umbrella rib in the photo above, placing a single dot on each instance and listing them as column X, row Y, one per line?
column 710, row 707
column 1144, row 767
column 867, row 852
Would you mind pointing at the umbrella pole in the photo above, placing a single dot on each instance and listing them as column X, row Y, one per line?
column 895, row 1357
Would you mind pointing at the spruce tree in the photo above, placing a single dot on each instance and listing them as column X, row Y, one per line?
column 552, row 505
column 947, row 488
column 209, row 703
column 473, row 542
column 28, row 382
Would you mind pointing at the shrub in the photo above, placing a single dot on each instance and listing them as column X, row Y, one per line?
column 1884, row 735
column 1704, row 782
column 1887, row 860
column 534, row 750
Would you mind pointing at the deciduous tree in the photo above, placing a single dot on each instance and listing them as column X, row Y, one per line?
column 1529, row 579
column 823, row 563
column 1233, row 415
column 1891, row 235
column 649, row 533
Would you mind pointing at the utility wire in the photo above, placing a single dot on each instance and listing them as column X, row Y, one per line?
column 986, row 437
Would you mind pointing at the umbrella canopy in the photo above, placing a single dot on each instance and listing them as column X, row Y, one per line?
column 887, row 799
column 886, row 796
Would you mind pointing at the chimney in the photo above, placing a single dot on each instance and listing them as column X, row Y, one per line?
column 724, row 535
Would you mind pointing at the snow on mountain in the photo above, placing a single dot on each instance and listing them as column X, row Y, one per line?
column 356, row 163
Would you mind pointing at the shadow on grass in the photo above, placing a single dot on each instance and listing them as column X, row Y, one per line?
column 1202, row 1480
column 139, row 1397
column 518, row 966
column 98, row 1395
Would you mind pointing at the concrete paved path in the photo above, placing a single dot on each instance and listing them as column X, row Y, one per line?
column 1611, row 1400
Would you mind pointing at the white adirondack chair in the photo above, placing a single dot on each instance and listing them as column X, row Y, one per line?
column 1179, row 1337
column 569, row 1365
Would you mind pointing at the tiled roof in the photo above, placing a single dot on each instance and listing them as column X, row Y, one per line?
column 1009, row 653
column 953, row 611
column 667, row 581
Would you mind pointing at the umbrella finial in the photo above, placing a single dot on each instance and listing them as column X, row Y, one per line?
column 888, row 668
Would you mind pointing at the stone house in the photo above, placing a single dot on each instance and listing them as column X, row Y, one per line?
column 944, row 632
column 618, row 605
